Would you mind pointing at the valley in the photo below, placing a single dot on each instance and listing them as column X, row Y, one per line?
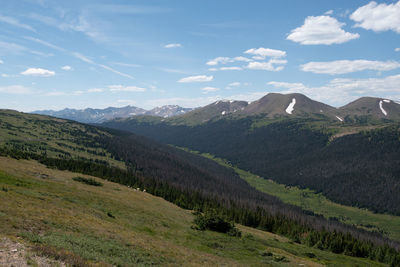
column 190, row 181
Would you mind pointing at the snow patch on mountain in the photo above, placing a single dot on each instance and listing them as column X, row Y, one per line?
column 290, row 108
column 337, row 117
column 381, row 107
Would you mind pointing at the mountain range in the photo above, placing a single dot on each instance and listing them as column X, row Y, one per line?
column 90, row 115
column 294, row 105
column 272, row 105
column 287, row 140
column 344, row 153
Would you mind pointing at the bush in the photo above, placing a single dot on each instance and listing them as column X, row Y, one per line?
column 89, row 181
column 215, row 222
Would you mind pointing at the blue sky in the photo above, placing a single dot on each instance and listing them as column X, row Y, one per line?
column 78, row 54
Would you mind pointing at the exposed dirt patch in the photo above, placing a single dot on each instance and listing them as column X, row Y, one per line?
column 13, row 253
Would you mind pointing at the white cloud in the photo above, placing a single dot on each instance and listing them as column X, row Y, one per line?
column 340, row 91
column 321, row 30
column 95, row 90
column 225, row 60
column 271, row 65
column 38, row 72
column 1, row 61
column 121, row 88
column 66, row 68
column 16, row 23
column 348, row 66
column 329, row 12
column 234, row 84
column 378, row 18
column 173, row 45
column 261, row 53
column 397, row 49
column 209, row 89
column 226, row 68
column 230, row 68
column 15, row 89
column 199, row 78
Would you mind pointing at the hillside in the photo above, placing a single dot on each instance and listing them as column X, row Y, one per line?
column 188, row 180
column 55, row 216
column 318, row 152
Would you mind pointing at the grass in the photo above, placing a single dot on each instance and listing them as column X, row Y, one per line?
column 62, row 219
column 308, row 199
column 53, row 136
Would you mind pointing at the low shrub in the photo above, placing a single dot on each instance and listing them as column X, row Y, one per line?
column 213, row 221
column 89, row 181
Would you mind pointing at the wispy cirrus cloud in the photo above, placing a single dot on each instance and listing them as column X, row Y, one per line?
column 321, row 30
column 74, row 54
column 198, row 78
column 209, row 89
column 349, row 66
column 14, row 22
column 173, row 45
column 378, row 17
column 90, row 61
column 122, row 88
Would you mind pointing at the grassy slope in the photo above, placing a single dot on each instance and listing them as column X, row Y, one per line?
column 51, row 135
column 46, row 207
column 309, row 200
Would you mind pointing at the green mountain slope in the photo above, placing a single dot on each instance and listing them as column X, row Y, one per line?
column 354, row 162
column 113, row 224
column 187, row 180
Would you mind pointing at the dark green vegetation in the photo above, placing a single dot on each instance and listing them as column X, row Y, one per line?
column 361, row 169
column 213, row 221
column 89, row 181
column 387, row 224
column 193, row 182
column 66, row 220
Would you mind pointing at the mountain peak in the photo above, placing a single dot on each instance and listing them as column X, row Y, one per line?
column 378, row 108
column 294, row 104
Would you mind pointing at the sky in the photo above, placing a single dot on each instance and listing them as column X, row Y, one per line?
column 80, row 54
